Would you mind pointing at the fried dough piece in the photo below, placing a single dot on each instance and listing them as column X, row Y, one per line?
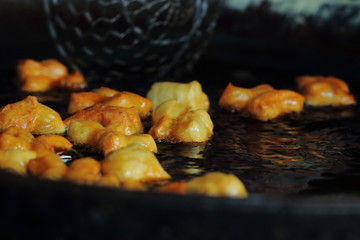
column 236, row 98
column 73, row 82
column 106, row 92
column 48, row 166
column 18, row 138
column 42, row 76
column 84, row 171
column 171, row 121
column 82, row 100
column 50, row 143
column 189, row 95
column 106, row 115
column 15, row 138
column 16, row 160
column 214, row 184
column 217, row 184
column 173, row 187
column 83, row 131
column 109, row 141
column 275, row 103
column 57, row 142
column 50, row 68
column 107, row 96
column 325, row 91
column 31, row 115
column 94, row 134
column 108, row 181
column 133, row 163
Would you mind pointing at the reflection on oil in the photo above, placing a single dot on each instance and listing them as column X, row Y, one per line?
column 278, row 157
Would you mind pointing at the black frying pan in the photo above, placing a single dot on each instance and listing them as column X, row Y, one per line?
column 301, row 170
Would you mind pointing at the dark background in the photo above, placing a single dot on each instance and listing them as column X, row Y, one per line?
column 249, row 46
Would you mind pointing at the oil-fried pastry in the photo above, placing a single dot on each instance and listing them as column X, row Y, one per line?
column 189, row 95
column 74, row 81
column 31, row 115
column 49, row 143
column 16, row 160
column 106, row 139
column 126, row 118
column 107, row 96
column 56, row 142
column 84, row 171
column 18, row 138
column 41, row 76
column 325, row 91
column 173, row 122
column 48, row 166
column 262, row 102
column 15, row 138
column 215, row 184
column 275, row 103
column 109, row 180
column 134, row 163
column 83, row 131
column 236, row 98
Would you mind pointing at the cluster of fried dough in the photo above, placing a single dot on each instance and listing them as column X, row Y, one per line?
column 325, row 91
column 110, row 121
column 173, row 122
column 265, row 103
column 236, row 98
column 107, row 96
column 126, row 119
column 107, row 139
column 19, row 147
column 262, row 102
column 180, row 112
column 22, row 153
column 34, row 76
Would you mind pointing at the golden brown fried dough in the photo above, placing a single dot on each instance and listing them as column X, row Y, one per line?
column 171, row 121
column 42, row 76
column 109, row 181
column 82, row 100
column 325, row 91
column 109, row 141
column 74, row 81
column 275, row 103
column 189, row 95
column 83, row 131
column 134, row 163
column 48, row 166
column 16, row 160
column 214, row 184
column 217, row 184
column 31, row 115
column 84, row 171
column 50, row 143
column 107, row 96
column 15, row 138
column 93, row 134
column 57, row 142
column 107, row 115
column 236, row 98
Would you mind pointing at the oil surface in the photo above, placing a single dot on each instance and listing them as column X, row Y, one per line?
column 314, row 152
column 299, row 153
